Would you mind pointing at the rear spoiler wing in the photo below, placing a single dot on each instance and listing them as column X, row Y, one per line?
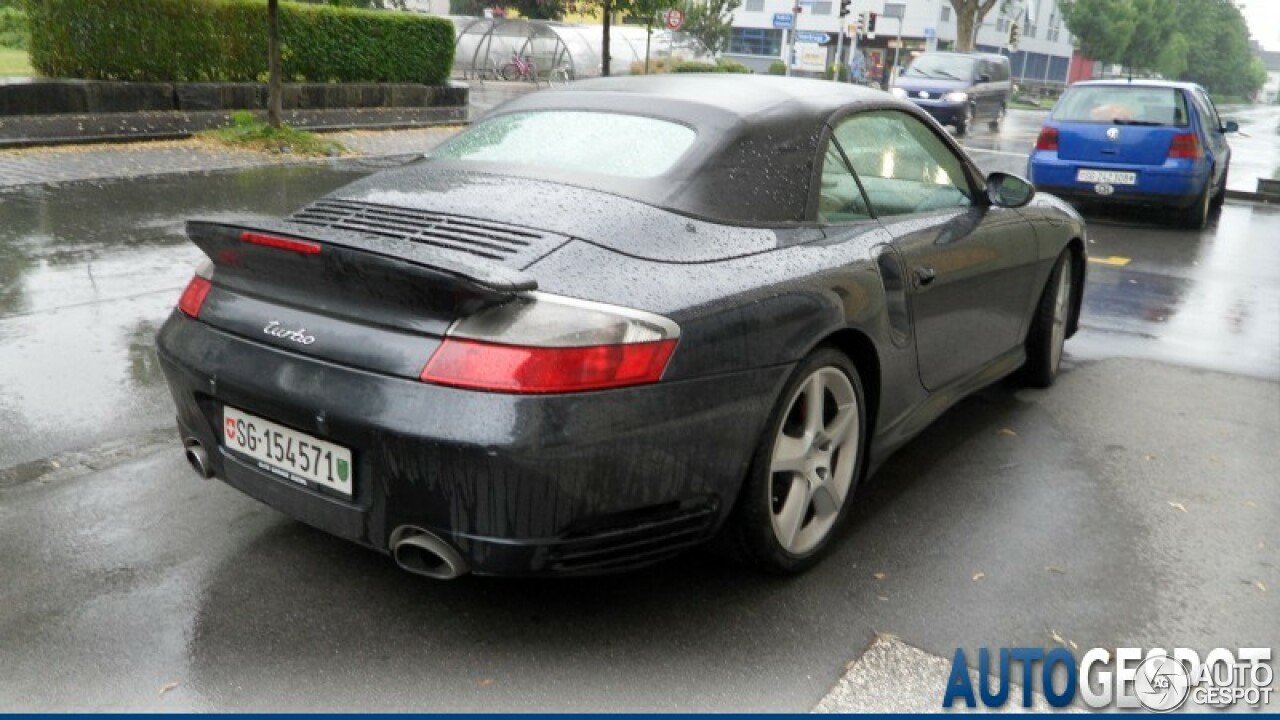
column 491, row 281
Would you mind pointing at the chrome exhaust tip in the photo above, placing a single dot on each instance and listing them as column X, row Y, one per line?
column 417, row 551
column 197, row 457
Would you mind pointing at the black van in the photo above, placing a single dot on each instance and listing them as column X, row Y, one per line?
column 958, row 88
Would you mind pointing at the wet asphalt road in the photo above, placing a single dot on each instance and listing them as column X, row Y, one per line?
column 1131, row 504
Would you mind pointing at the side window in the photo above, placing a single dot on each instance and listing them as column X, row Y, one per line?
column 903, row 166
column 839, row 199
column 1211, row 119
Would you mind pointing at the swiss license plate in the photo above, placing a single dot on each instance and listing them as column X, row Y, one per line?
column 288, row 453
column 1113, row 177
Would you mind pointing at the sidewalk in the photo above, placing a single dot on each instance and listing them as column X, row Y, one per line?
column 70, row 163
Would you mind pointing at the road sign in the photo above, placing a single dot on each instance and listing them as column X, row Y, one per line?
column 674, row 19
column 818, row 38
column 783, row 21
column 810, row 57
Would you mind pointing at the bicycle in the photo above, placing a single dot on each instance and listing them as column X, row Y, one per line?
column 520, row 68
column 562, row 75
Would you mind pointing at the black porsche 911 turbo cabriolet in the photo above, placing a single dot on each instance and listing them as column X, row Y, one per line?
column 608, row 322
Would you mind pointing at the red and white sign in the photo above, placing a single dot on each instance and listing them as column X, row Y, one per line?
column 674, row 19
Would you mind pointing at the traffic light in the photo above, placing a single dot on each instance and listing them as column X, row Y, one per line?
column 844, row 7
column 1013, row 34
column 871, row 23
column 862, row 23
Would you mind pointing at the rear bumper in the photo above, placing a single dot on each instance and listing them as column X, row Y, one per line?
column 1175, row 184
column 519, row 485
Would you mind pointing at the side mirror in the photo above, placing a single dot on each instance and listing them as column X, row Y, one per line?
column 1008, row 190
column 1231, row 126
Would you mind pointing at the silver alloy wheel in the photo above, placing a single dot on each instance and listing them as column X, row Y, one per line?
column 1061, row 309
column 813, row 461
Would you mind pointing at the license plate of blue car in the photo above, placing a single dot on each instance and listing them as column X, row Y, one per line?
column 1114, row 177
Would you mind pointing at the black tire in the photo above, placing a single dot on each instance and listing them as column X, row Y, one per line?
column 997, row 120
column 1196, row 217
column 810, row 500
column 965, row 122
column 510, row 72
column 1048, row 331
column 1220, row 196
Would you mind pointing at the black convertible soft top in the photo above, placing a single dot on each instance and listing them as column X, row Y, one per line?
column 753, row 160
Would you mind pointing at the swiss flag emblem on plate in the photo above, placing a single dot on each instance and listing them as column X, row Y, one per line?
column 231, row 428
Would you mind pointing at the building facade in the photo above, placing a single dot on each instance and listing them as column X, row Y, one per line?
column 1042, row 56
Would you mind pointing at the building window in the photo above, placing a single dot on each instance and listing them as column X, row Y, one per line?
column 1002, row 25
column 822, row 8
column 1053, row 34
column 1031, row 30
column 755, row 6
column 946, row 13
column 755, row 41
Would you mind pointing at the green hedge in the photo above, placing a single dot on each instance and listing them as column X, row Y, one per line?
column 226, row 40
column 13, row 28
column 722, row 65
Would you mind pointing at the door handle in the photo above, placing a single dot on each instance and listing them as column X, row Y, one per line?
column 923, row 276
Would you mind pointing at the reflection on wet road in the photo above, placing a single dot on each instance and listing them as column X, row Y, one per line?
column 87, row 273
column 1209, row 300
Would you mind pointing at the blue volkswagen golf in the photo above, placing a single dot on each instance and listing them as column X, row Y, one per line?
column 1135, row 142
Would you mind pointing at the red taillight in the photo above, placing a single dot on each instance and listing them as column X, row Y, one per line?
column 193, row 297
column 1048, row 139
column 1186, row 146
column 520, row 369
column 280, row 243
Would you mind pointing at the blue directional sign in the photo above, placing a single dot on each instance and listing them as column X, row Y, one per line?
column 784, row 21
column 812, row 37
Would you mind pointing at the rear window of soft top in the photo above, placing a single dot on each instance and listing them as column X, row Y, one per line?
column 1123, row 105
column 628, row 146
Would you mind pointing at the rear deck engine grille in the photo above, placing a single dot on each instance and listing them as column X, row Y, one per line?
column 482, row 238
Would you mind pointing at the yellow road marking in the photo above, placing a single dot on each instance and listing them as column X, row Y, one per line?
column 1112, row 260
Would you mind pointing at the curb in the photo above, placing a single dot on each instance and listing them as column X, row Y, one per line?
column 1253, row 197
column 24, row 143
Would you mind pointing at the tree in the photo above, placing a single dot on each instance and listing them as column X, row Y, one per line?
column 969, row 17
column 649, row 9
column 1202, row 41
column 275, row 83
column 710, row 23
column 1102, row 28
column 541, row 9
column 607, row 7
column 1222, row 60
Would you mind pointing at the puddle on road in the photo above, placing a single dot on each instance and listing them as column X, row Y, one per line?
column 88, row 272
